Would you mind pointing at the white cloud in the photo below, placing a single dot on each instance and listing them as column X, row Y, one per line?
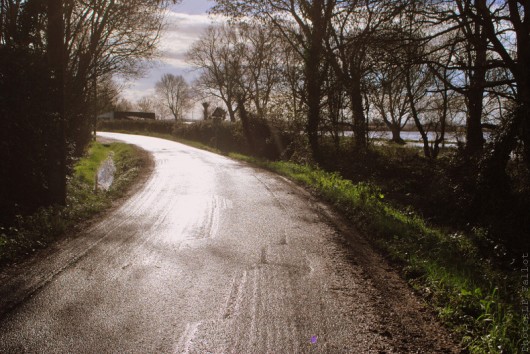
column 181, row 31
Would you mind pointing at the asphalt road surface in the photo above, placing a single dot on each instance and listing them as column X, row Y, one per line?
column 211, row 255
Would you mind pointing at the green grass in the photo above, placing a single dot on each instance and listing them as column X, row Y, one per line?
column 48, row 224
column 86, row 168
column 473, row 299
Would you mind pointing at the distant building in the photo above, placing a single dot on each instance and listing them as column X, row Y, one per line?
column 115, row 115
column 219, row 114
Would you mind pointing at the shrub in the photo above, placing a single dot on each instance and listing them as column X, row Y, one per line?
column 262, row 139
column 138, row 126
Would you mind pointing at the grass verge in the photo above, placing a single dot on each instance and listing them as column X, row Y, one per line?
column 47, row 224
column 476, row 301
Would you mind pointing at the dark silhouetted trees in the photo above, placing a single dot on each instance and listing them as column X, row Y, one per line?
column 304, row 25
column 53, row 54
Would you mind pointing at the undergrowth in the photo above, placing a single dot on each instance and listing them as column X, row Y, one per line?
column 35, row 231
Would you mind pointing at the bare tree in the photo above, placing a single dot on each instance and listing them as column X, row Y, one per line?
column 262, row 62
column 505, row 25
column 56, row 59
column 219, row 58
column 304, row 25
column 461, row 47
column 146, row 104
column 388, row 96
column 154, row 104
column 123, row 105
column 359, row 27
column 205, row 110
column 491, row 40
column 108, row 94
column 289, row 95
column 105, row 37
column 239, row 64
column 175, row 93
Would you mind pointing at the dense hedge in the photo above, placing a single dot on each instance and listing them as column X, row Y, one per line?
column 261, row 139
column 224, row 136
column 154, row 126
column 28, row 131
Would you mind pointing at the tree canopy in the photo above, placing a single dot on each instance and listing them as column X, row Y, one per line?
column 53, row 56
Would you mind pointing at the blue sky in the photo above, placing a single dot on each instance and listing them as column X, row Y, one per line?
column 185, row 23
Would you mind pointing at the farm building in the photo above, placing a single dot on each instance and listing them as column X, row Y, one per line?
column 219, row 114
column 115, row 115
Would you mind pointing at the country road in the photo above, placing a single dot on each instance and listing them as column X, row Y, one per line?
column 211, row 255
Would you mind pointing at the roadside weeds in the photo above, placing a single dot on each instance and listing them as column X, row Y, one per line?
column 475, row 301
column 37, row 231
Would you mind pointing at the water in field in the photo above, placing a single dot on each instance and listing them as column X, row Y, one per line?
column 413, row 138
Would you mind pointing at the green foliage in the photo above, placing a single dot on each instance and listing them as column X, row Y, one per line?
column 260, row 138
column 137, row 126
column 27, row 129
column 225, row 136
column 87, row 167
column 266, row 140
column 38, row 229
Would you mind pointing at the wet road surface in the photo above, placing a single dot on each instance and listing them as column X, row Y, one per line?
column 211, row 256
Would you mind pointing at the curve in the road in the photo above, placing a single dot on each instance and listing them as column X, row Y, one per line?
column 211, row 255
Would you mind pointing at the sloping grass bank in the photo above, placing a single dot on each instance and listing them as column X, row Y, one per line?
column 482, row 305
column 48, row 224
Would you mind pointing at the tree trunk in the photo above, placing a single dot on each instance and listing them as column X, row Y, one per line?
column 415, row 116
column 394, row 126
column 313, row 77
column 334, row 99
column 524, row 98
column 205, row 114
column 475, row 96
column 359, row 120
column 57, row 147
column 474, row 135
column 231, row 113
column 245, row 122
column 313, row 112
column 396, row 134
